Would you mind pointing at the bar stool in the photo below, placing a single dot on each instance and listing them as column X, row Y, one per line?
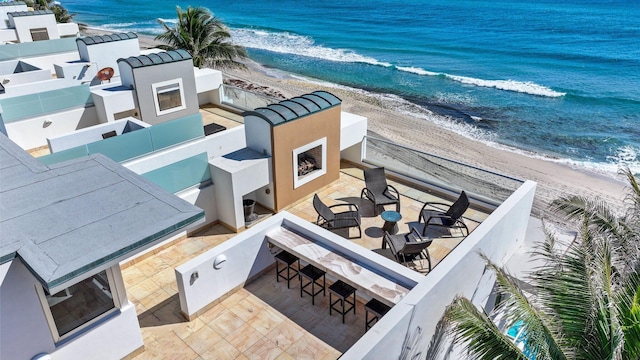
column 313, row 274
column 287, row 259
column 378, row 310
column 343, row 291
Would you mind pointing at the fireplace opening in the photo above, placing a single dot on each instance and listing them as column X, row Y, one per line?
column 306, row 164
column 309, row 162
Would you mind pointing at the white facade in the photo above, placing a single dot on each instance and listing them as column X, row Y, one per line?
column 27, row 26
column 106, row 54
column 7, row 7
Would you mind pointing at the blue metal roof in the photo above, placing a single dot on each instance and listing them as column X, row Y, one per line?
column 295, row 108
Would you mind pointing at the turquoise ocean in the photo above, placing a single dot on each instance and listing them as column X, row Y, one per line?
column 558, row 79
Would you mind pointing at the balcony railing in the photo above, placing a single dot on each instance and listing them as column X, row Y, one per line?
column 244, row 99
column 435, row 171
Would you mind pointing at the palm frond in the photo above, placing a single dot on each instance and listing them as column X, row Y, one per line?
column 627, row 300
column 483, row 338
column 205, row 37
column 516, row 307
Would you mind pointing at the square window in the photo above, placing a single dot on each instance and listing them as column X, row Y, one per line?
column 168, row 96
column 39, row 34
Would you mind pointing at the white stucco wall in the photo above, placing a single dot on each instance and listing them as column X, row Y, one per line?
column 24, row 24
column 247, row 254
column 235, row 178
column 353, row 128
column 107, row 54
column 8, row 35
column 48, row 61
column 25, row 332
column 81, row 71
column 205, row 199
column 68, row 29
column 4, row 9
column 33, row 133
column 258, row 134
column 111, row 99
column 9, row 78
column 90, row 134
column 207, row 79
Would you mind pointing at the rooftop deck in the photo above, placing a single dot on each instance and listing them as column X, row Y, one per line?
column 263, row 320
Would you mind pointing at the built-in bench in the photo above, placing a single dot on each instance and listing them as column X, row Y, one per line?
column 338, row 265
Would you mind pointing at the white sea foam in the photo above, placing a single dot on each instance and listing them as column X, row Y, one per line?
column 169, row 21
column 288, row 43
column 626, row 156
column 417, row 71
column 509, row 85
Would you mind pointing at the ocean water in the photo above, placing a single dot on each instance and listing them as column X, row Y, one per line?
column 558, row 79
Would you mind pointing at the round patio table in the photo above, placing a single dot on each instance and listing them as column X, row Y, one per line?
column 391, row 219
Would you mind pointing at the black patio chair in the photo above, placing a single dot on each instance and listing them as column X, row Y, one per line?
column 331, row 220
column 409, row 247
column 378, row 191
column 452, row 218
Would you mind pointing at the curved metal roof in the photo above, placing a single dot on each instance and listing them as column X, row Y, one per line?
column 157, row 58
column 295, row 108
column 99, row 39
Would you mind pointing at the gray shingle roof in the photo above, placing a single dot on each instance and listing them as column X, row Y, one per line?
column 157, row 58
column 295, row 108
column 12, row 3
column 100, row 39
column 29, row 13
column 80, row 216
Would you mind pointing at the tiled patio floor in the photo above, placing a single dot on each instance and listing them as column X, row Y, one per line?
column 264, row 320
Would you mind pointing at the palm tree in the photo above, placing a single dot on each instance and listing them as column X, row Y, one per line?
column 204, row 36
column 586, row 299
column 60, row 12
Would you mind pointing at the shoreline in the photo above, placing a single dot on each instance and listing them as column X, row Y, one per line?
column 388, row 120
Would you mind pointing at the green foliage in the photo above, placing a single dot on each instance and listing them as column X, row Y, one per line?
column 204, row 36
column 585, row 302
column 60, row 12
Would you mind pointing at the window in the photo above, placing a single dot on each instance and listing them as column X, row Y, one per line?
column 78, row 305
column 39, row 34
column 168, row 96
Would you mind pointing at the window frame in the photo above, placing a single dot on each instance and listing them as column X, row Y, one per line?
column 298, row 180
column 115, row 296
column 39, row 31
column 157, row 89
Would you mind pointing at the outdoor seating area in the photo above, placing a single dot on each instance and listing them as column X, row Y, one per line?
column 436, row 220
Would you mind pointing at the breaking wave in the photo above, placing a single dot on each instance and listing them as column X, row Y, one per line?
column 289, row 43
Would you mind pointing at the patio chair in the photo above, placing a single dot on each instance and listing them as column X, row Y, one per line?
column 452, row 218
column 378, row 191
column 331, row 220
column 409, row 247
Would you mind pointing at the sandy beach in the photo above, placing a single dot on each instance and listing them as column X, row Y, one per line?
column 554, row 179
column 388, row 120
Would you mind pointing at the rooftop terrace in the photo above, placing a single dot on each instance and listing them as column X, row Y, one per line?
column 264, row 319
